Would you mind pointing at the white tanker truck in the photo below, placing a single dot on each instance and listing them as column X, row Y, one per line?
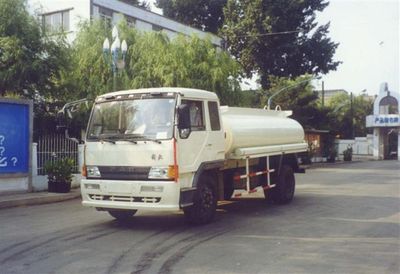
column 176, row 148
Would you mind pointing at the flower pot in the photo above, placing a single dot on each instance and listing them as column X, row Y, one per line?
column 59, row 187
column 347, row 158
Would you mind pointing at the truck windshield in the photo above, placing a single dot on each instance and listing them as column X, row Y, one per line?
column 132, row 119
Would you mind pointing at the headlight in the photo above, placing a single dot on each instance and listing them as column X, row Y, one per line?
column 165, row 173
column 93, row 172
column 158, row 173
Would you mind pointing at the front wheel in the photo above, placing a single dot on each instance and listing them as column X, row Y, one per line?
column 283, row 192
column 204, row 203
column 122, row 214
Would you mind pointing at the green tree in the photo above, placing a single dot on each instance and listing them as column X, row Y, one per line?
column 30, row 62
column 297, row 95
column 278, row 38
column 91, row 74
column 141, row 4
column 183, row 62
column 152, row 61
column 206, row 15
column 348, row 117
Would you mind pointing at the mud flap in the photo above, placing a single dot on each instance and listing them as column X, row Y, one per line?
column 186, row 197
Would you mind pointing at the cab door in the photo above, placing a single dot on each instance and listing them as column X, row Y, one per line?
column 193, row 151
column 215, row 145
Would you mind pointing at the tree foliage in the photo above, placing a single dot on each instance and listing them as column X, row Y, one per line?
column 91, row 74
column 348, row 115
column 141, row 4
column 153, row 61
column 183, row 62
column 30, row 62
column 206, row 15
column 278, row 38
column 297, row 95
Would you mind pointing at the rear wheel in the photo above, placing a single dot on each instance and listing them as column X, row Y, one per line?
column 283, row 192
column 204, row 203
column 122, row 214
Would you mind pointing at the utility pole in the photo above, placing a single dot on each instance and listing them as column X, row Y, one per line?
column 352, row 115
column 323, row 94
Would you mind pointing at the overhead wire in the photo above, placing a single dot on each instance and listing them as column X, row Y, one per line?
column 270, row 33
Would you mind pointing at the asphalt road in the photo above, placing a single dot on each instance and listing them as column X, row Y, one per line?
column 344, row 219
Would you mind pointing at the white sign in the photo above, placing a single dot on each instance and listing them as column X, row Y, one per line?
column 383, row 120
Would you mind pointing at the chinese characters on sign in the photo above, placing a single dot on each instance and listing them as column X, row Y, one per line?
column 386, row 120
column 383, row 120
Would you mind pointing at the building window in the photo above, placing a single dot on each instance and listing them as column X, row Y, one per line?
column 106, row 15
column 130, row 21
column 156, row 28
column 56, row 21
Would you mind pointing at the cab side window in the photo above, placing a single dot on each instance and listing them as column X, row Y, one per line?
column 196, row 114
column 214, row 116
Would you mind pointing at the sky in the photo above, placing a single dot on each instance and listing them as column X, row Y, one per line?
column 368, row 35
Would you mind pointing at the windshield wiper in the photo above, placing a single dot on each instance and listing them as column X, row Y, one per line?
column 141, row 137
column 108, row 139
column 144, row 138
column 133, row 138
column 127, row 139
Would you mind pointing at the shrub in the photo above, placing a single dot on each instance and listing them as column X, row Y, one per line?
column 59, row 170
column 348, row 153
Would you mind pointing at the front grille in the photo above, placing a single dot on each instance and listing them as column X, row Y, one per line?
column 128, row 199
column 124, row 172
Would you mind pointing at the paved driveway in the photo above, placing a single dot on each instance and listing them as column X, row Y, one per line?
column 344, row 219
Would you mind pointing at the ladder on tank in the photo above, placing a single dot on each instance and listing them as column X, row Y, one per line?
column 248, row 175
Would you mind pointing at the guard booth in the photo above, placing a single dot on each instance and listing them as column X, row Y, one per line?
column 386, row 124
column 15, row 145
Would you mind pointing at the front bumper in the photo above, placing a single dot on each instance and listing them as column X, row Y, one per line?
column 147, row 195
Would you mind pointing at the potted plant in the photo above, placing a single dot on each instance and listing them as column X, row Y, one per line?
column 329, row 148
column 348, row 154
column 332, row 153
column 307, row 156
column 59, row 175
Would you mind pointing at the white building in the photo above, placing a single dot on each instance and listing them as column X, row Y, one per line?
column 386, row 124
column 328, row 94
column 66, row 15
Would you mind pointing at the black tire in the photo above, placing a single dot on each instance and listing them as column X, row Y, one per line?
column 122, row 214
column 205, row 202
column 283, row 192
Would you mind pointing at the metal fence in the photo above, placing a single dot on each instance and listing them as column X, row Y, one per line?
column 53, row 147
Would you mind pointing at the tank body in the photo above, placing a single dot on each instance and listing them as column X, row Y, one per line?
column 247, row 127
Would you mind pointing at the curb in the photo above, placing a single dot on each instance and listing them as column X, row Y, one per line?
column 337, row 163
column 37, row 198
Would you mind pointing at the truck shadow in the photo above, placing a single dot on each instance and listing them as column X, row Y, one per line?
column 232, row 210
column 310, row 212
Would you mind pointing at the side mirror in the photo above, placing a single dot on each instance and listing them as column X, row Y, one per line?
column 61, row 121
column 184, row 121
column 65, row 117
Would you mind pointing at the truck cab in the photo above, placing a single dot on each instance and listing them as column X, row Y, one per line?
column 144, row 149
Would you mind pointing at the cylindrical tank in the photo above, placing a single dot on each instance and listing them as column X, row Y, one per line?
column 247, row 127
